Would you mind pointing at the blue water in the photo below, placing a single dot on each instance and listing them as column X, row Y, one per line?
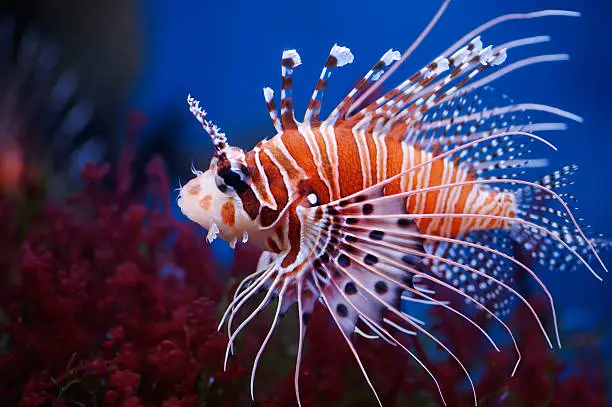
column 224, row 52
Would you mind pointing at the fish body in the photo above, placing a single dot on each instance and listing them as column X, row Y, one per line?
column 336, row 163
column 381, row 204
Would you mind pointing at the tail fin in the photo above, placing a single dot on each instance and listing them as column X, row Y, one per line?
column 551, row 235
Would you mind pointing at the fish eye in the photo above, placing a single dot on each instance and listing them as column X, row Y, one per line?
column 232, row 178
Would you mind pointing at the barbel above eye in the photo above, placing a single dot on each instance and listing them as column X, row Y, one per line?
column 232, row 178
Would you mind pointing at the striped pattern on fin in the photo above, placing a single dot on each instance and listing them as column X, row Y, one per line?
column 475, row 116
column 420, row 87
column 366, row 82
column 290, row 60
column 272, row 110
column 386, row 254
column 361, row 281
column 366, row 248
column 376, row 224
column 338, row 56
column 414, row 106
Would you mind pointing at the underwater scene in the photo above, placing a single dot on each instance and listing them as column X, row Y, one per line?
column 325, row 203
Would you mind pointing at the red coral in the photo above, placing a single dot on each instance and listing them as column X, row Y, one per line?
column 123, row 379
column 93, row 314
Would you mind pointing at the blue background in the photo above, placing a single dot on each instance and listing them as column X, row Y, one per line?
column 224, row 53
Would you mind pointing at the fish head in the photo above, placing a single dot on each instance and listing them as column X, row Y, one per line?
column 211, row 198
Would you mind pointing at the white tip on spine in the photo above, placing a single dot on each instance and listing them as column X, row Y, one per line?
column 442, row 65
column 477, row 43
column 268, row 94
column 500, row 59
column 342, row 54
column 391, row 56
column 486, row 55
column 293, row 55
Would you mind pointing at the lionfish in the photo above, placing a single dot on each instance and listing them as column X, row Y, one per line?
column 381, row 202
